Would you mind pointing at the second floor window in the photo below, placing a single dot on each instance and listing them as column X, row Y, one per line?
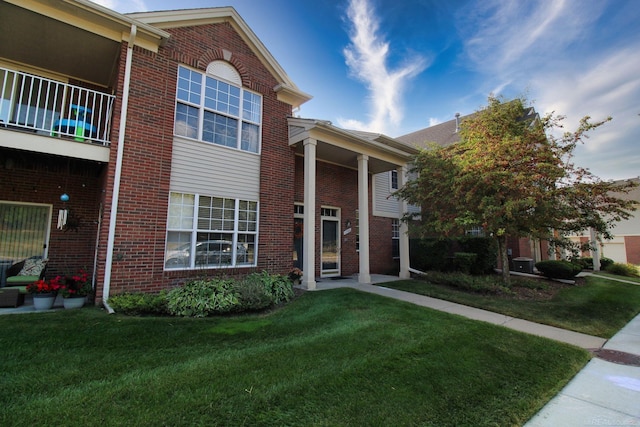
column 213, row 110
column 393, row 180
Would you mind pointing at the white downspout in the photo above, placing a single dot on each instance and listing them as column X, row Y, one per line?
column 116, row 181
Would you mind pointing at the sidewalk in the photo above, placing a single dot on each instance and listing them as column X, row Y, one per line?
column 605, row 392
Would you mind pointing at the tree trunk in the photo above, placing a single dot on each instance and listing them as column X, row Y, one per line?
column 502, row 249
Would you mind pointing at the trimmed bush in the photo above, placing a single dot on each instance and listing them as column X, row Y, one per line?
column 486, row 251
column 438, row 254
column 558, row 269
column 585, row 262
column 605, row 262
column 464, row 261
column 628, row 270
column 429, row 254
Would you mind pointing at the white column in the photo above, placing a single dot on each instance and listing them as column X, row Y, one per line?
column 363, row 217
column 404, row 228
column 309, row 239
column 595, row 252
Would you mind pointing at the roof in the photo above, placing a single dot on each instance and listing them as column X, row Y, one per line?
column 446, row 133
column 286, row 89
column 442, row 134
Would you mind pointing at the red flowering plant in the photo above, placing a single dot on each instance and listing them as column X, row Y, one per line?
column 78, row 285
column 43, row 287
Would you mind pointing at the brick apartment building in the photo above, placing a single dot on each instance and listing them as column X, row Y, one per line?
column 153, row 148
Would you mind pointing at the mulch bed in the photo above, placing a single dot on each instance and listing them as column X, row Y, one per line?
column 547, row 291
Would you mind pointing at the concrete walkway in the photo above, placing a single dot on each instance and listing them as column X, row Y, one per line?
column 605, row 392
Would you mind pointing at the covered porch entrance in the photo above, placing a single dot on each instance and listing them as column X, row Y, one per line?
column 367, row 154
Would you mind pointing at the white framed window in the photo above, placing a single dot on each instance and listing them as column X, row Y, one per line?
column 393, row 180
column 25, row 232
column 475, row 232
column 210, row 232
column 357, row 227
column 395, row 238
column 218, row 111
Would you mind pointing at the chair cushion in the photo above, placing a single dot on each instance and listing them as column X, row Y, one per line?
column 21, row 280
column 32, row 267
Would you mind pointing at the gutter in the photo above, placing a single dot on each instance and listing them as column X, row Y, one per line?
column 118, row 174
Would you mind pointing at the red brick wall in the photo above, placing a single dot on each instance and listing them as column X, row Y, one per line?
column 38, row 178
column 338, row 187
column 632, row 245
column 138, row 263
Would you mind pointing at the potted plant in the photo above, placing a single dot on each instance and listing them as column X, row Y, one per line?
column 295, row 274
column 74, row 289
column 44, row 293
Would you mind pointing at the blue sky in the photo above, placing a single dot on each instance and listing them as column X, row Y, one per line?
column 396, row 66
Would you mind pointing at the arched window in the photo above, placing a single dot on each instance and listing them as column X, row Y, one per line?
column 214, row 107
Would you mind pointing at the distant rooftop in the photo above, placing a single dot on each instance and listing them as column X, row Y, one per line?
column 446, row 133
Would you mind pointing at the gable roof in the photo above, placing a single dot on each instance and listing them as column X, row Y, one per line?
column 286, row 89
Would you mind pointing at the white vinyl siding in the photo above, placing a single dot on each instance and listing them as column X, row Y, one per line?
column 209, row 169
column 384, row 204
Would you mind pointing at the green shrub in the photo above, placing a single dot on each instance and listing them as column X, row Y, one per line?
column 464, row 261
column 585, row 262
column 139, row 304
column 487, row 284
column 438, row 254
column 628, row 270
column 278, row 286
column 429, row 254
column 252, row 294
column 605, row 262
column 486, row 251
column 201, row 298
column 558, row 269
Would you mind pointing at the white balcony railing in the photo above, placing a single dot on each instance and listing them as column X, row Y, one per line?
column 48, row 107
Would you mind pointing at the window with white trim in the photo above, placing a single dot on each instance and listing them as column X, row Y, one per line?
column 395, row 238
column 393, row 180
column 475, row 231
column 210, row 232
column 357, row 230
column 214, row 110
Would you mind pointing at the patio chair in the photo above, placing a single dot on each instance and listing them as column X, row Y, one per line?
column 25, row 272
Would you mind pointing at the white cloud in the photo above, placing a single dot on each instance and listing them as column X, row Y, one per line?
column 367, row 57
column 549, row 48
column 124, row 6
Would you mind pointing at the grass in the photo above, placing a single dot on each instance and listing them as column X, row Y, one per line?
column 601, row 307
column 614, row 276
column 330, row 358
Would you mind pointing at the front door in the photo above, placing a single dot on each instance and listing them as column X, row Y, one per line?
column 330, row 244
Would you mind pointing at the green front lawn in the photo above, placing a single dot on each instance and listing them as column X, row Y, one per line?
column 601, row 307
column 337, row 358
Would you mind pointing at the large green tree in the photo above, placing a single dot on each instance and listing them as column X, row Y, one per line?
column 512, row 175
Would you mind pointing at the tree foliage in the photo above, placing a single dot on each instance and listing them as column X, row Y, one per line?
column 512, row 175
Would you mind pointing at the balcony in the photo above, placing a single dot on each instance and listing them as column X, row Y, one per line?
column 47, row 107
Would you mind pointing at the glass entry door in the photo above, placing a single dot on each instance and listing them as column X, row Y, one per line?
column 330, row 256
